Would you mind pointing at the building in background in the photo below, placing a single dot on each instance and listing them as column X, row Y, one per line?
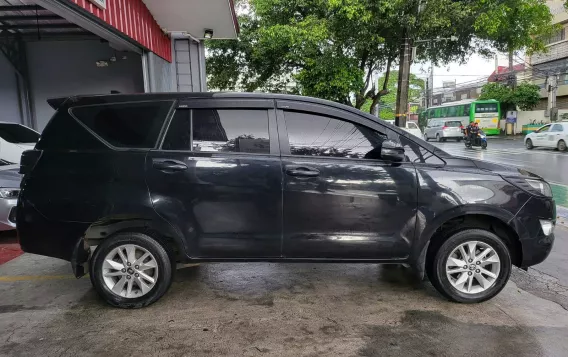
column 52, row 48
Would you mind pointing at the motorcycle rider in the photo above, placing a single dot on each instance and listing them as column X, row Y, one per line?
column 472, row 131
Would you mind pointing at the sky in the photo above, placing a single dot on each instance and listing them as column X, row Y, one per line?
column 476, row 68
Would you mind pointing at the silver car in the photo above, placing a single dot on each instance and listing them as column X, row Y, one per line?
column 442, row 129
column 9, row 189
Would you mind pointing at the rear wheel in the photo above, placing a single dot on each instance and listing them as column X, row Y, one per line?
column 131, row 270
column 529, row 144
column 471, row 266
column 438, row 139
column 426, row 137
column 561, row 145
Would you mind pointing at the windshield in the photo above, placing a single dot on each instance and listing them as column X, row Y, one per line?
column 18, row 134
column 486, row 108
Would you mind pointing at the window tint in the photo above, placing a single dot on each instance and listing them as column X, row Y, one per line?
column 314, row 135
column 557, row 127
column 223, row 130
column 543, row 129
column 126, row 125
column 452, row 111
column 16, row 133
column 417, row 154
column 466, row 109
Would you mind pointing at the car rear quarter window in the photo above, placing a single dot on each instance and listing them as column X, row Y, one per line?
column 219, row 130
column 125, row 125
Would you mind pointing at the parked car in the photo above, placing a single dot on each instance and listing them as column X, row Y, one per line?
column 413, row 129
column 14, row 140
column 133, row 184
column 9, row 190
column 553, row 135
column 442, row 130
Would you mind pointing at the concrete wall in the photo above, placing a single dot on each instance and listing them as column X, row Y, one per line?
column 9, row 107
column 63, row 68
column 527, row 117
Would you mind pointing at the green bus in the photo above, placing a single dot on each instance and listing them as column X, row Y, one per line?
column 486, row 112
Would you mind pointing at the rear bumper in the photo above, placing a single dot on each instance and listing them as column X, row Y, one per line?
column 536, row 246
column 39, row 235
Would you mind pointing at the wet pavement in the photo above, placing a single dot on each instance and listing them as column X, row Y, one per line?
column 269, row 309
column 550, row 164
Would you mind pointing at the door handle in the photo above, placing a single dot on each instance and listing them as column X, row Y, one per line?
column 301, row 171
column 169, row 165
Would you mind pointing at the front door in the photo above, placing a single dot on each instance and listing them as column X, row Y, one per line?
column 541, row 135
column 217, row 179
column 341, row 201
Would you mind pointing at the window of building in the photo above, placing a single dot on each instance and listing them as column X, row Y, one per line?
column 125, row 125
column 315, row 135
column 560, row 35
column 219, row 130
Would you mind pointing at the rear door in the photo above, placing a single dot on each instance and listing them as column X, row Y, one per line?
column 341, row 201
column 556, row 134
column 217, row 178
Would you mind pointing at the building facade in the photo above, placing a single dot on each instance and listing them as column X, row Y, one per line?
column 51, row 48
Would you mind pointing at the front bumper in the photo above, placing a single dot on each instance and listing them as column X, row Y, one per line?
column 536, row 246
column 7, row 214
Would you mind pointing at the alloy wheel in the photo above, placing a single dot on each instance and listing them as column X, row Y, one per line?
column 130, row 271
column 473, row 267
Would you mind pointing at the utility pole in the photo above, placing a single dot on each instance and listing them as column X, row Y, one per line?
column 552, row 88
column 403, row 82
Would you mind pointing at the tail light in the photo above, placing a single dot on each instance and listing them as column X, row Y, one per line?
column 444, row 127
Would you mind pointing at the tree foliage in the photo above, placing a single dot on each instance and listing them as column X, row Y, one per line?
column 526, row 96
column 330, row 48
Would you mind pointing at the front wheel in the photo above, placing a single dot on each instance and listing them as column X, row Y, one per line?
column 426, row 138
column 471, row 266
column 131, row 270
column 529, row 144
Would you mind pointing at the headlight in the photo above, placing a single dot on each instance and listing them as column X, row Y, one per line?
column 9, row 193
column 533, row 186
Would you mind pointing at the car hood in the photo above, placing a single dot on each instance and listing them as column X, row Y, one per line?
column 490, row 167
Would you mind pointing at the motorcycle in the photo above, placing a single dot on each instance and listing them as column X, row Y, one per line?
column 480, row 140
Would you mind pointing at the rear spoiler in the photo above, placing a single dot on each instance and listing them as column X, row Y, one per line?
column 56, row 103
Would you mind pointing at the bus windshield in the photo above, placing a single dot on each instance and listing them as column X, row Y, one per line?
column 486, row 108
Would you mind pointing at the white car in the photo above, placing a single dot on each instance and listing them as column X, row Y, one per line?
column 413, row 129
column 554, row 135
column 14, row 140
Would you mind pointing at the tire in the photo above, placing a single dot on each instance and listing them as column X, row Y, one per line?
column 438, row 139
column 561, row 145
column 529, row 144
column 142, row 243
column 426, row 138
column 441, row 281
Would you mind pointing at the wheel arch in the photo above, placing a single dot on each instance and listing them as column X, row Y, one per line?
column 111, row 225
column 494, row 219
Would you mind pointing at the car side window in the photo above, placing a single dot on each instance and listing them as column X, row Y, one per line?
column 125, row 125
column 417, row 154
column 318, row 135
column 219, row 130
column 557, row 127
column 544, row 129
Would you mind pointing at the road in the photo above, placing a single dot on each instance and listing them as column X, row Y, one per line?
column 551, row 165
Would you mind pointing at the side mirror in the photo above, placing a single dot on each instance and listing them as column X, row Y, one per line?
column 392, row 150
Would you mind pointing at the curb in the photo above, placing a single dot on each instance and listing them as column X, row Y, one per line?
column 562, row 216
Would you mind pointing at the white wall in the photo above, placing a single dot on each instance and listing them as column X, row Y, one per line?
column 9, row 107
column 527, row 117
column 64, row 68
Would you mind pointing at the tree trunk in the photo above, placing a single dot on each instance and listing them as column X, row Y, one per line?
column 377, row 96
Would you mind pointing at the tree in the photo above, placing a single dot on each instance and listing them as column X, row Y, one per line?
column 526, row 96
column 330, row 48
column 388, row 100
